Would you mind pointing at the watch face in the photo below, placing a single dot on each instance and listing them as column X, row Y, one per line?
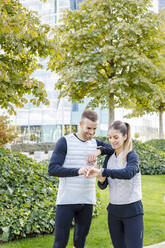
column 99, row 147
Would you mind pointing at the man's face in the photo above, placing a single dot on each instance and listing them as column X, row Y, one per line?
column 87, row 128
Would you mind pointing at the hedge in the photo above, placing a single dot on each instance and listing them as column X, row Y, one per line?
column 151, row 161
column 27, row 197
column 28, row 194
column 159, row 144
column 31, row 148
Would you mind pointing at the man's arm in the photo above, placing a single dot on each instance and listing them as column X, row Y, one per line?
column 55, row 167
column 103, row 148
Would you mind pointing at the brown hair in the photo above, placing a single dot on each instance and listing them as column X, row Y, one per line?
column 89, row 114
column 125, row 129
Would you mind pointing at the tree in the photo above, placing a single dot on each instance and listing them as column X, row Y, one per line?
column 22, row 41
column 103, row 51
column 154, row 101
column 160, row 103
column 7, row 133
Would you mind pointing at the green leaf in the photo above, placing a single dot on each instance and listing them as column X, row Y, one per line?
column 23, row 40
column 109, row 47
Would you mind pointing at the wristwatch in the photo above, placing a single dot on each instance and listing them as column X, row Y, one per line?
column 99, row 148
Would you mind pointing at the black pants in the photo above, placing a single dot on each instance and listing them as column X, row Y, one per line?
column 82, row 214
column 126, row 232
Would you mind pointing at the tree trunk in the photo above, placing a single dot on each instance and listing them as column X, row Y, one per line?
column 160, row 124
column 111, row 109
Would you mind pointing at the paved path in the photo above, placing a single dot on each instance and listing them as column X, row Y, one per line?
column 160, row 245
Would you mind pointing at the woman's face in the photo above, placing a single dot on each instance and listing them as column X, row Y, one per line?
column 116, row 139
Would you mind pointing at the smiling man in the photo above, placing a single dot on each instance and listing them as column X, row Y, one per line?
column 76, row 193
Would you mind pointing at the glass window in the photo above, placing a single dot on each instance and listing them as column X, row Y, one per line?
column 66, row 129
column 75, row 107
column 74, row 4
column 31, row 133
column 74, row 128
column 57, row 132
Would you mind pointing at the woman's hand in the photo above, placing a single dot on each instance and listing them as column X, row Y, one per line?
column 92, row 157
column 101, row 179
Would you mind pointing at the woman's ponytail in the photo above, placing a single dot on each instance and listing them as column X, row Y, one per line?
column 127, row 147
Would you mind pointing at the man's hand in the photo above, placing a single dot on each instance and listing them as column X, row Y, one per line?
column 83, row 170
column 93, row 172
column 92, row 157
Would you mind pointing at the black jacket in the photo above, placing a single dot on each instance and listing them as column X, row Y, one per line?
column 132, row 167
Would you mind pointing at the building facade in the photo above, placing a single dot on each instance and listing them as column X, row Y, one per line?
column 48, row 123
column 161, row 4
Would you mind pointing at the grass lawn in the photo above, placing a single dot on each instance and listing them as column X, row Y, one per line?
column 154, row 220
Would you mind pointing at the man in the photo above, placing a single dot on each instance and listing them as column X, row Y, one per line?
column 76, row 193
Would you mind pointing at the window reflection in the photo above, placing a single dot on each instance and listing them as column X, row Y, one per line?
column 47, row 133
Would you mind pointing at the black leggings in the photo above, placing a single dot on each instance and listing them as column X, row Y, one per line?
column 82, row 214
column 126, row 232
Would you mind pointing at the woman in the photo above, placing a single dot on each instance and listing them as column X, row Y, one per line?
column 121, row 172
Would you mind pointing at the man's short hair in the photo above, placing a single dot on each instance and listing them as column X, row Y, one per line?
column 89, row 114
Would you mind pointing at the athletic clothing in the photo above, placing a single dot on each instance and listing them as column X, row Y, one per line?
column 82, row 214
column 76, row 194
column 77, row 190
column 126, row 191
column 58, row 157
column 126, row 232
column 57, row 160
column 125, row 210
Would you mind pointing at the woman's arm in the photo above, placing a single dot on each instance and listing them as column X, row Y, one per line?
column 131, row 169
column 102, row 185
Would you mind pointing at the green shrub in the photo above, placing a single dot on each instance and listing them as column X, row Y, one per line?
column 97, row 207
column 151, row 160
column 104, row 138
column 27, row 197
column 28, row 194
column 159, row 144
column 31, row 148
